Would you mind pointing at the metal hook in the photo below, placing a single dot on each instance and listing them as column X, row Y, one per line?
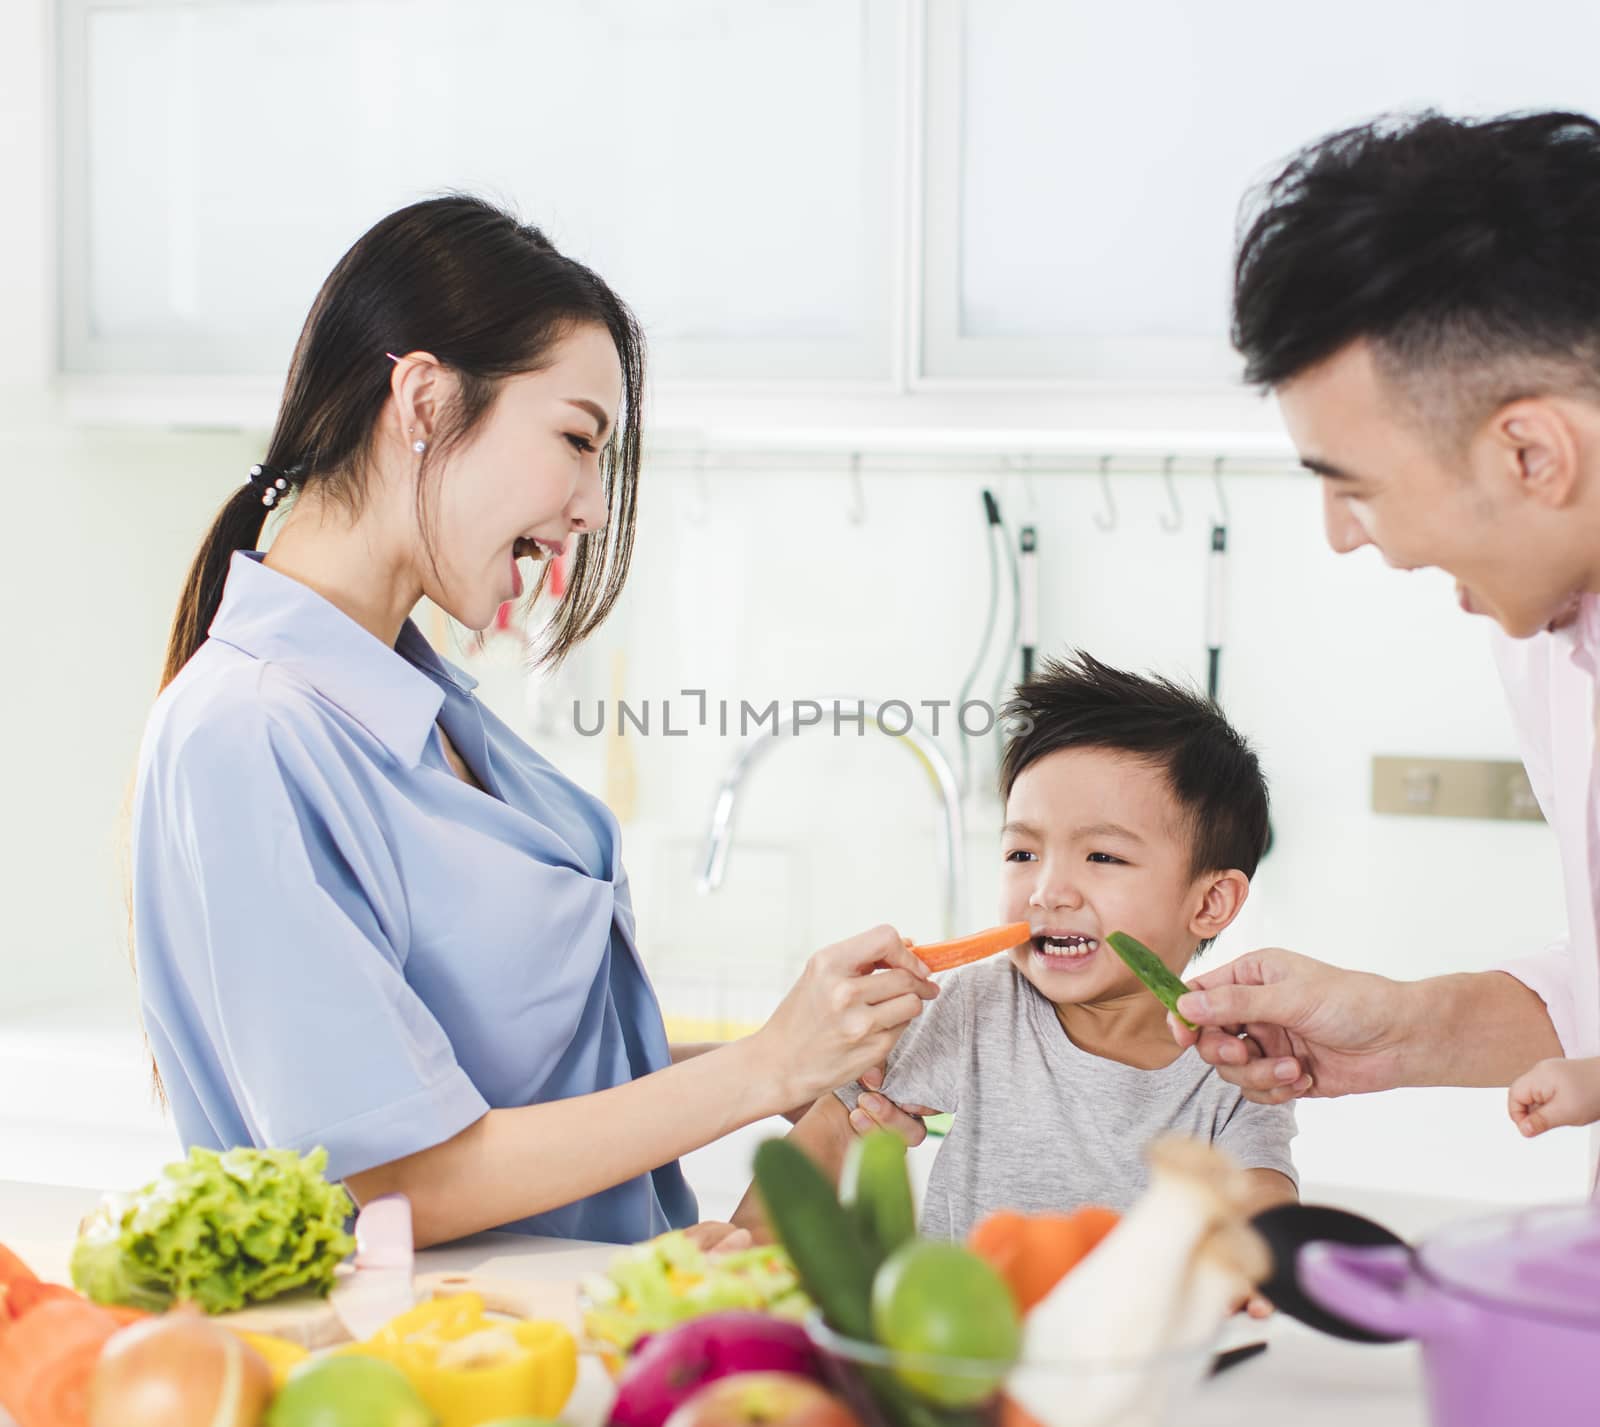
column 1222, row 495
column 1172, row 520
column 1022, row 467
column 1106, row 519
column 857, row 514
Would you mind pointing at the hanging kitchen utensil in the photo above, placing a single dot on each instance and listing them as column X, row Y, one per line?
column 1003, row 669
column 1217, row 604
column 1028, row 575
column 1216, row 593
column 997, row 545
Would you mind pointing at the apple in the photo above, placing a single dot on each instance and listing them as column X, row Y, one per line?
column 668, row 1368
column 763, row 1399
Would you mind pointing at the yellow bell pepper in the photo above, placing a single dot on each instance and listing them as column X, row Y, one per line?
column 282, row 1356
column 471, row 1368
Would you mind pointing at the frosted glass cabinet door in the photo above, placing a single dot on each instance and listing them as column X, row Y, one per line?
column 730, row 166
column 1086, row 160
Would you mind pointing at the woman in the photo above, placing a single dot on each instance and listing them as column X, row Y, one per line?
column 368, row 915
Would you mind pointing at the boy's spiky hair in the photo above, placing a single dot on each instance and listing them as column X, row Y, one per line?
column 1214, row 774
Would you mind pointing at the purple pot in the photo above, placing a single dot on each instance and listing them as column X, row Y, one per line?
column 1507, row 1310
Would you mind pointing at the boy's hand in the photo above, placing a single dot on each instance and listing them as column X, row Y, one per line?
column 715, row 1238
column 1555, row 1092
column 878, row 1112
column 1255, row 1305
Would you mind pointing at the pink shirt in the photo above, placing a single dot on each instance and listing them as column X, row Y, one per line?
column 1551, row 681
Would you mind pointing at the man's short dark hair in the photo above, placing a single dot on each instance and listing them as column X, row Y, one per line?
column 1467, row 249
column 1213, row 773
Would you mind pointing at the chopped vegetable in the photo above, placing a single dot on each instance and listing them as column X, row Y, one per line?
column 21, row 1289
column 1151, row 970
column 220, row 1230
column 47, row 1360
column 1034, row 1252
column 947, row 955
column 17, row 1299
column 279, row 1354
column 470, row 1368
column 50, row 1338
column 669, row 1280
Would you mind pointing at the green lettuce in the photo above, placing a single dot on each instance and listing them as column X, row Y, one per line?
column 218, row 1229
column 668, row 1280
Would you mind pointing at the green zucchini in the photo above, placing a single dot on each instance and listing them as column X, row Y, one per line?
column 876, row 1189
column 830, row 1253
column 1151, row 970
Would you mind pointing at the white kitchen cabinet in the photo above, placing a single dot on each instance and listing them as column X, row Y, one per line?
column 732, row 168
column 840, row 195
column 1084, row 162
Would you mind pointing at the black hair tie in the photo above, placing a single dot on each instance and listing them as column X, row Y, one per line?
column 274, row 481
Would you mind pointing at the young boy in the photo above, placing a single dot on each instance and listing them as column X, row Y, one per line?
column 1130, row 805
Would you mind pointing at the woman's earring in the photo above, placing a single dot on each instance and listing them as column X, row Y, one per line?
column 419, row 446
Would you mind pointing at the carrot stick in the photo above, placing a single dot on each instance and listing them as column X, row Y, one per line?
column 13, row 1270
column 947, row 955
column 19, row 1299
column 47, row 1360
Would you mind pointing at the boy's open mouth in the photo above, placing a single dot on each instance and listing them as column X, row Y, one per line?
column 1064, row 948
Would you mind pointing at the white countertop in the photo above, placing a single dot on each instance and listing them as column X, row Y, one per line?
column 1304, row 1378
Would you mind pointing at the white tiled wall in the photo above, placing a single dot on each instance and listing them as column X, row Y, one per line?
column 771, row 592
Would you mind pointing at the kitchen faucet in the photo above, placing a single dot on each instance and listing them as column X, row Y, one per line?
column 915, row 741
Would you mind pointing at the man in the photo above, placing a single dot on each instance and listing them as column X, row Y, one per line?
column 1423, row 297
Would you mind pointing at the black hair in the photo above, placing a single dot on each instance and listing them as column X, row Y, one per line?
column 489, row 297
column 1212, row 771
column 1461, row 246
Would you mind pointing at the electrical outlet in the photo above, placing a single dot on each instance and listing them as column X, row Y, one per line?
column 1453, row 788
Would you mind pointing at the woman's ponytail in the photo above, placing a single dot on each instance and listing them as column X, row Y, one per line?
column 237, row 527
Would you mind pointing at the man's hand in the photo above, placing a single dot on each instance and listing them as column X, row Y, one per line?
column 1555, row 1092
column 1280, row 1025
column 878, row 1112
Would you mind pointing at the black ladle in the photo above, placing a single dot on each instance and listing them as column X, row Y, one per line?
column 1288, row 1228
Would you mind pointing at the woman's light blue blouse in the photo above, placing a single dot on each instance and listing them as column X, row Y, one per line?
column 341, row 943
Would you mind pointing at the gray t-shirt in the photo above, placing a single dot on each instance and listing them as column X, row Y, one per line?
column 1041, row 1125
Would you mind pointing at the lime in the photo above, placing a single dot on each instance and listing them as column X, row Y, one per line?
column 348, row 1392
column 938, row 1300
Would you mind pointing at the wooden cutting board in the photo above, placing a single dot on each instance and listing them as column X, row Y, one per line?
column 311, row 1322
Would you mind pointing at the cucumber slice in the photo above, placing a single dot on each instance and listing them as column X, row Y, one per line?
column 1151, row 970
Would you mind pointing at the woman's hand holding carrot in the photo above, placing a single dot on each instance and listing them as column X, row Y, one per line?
column 844, row 1014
